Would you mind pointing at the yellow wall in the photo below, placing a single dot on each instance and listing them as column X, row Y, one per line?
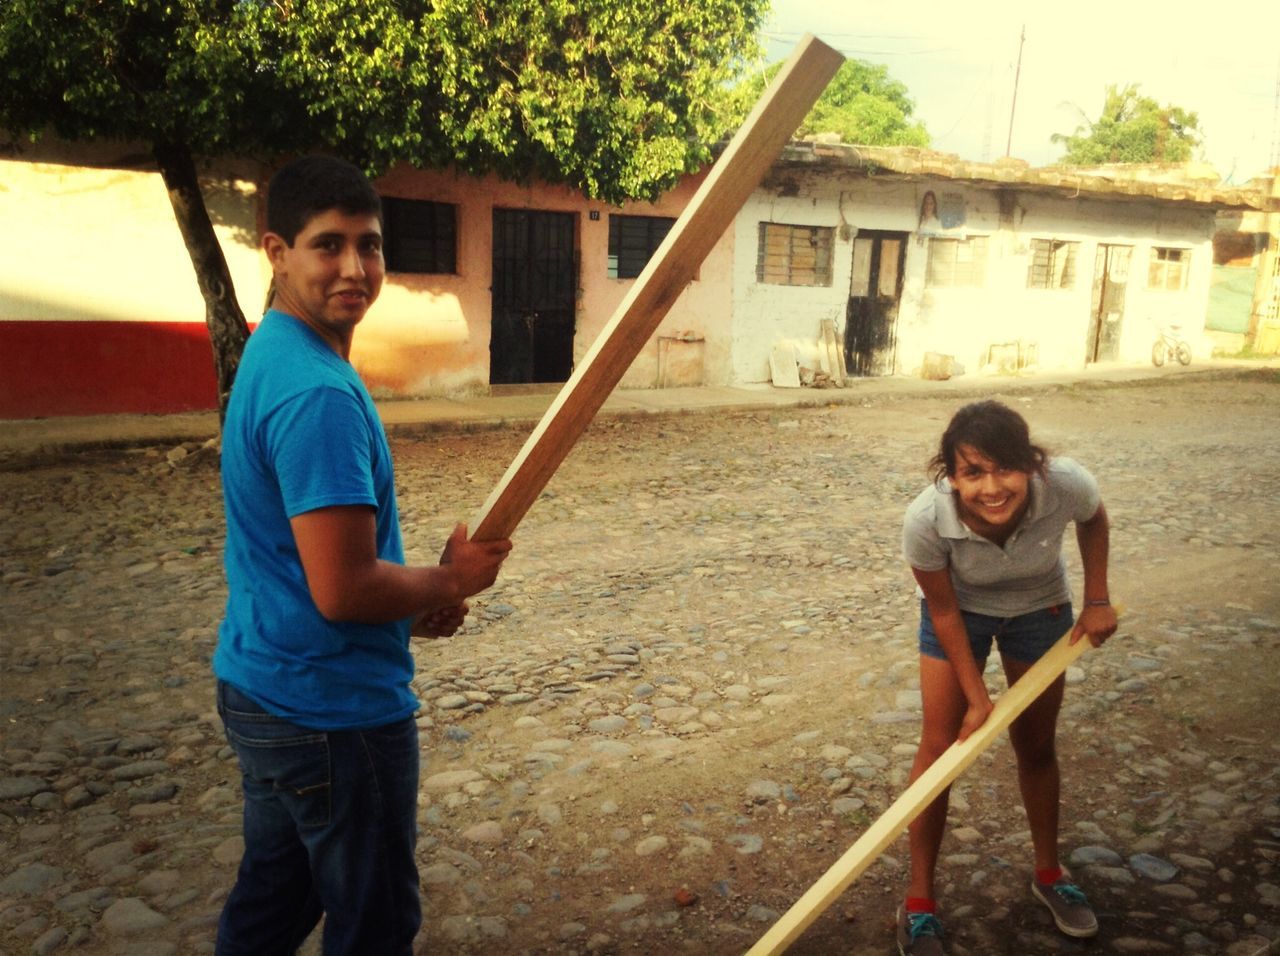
column 89, row 244
column 98, row 243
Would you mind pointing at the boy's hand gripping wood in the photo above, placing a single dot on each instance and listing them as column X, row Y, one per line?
column 711, row 211
column 916, row 797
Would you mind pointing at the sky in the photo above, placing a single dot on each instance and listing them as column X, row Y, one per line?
column 959, row 62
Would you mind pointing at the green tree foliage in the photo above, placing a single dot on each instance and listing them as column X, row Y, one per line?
column 617, row 98
column 863, row 104
column 1132, row 129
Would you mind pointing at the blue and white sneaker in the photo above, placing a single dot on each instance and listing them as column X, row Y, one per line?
column 1069, row 906
column 919, row 934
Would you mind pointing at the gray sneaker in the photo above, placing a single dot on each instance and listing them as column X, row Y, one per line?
column 919, row 934
column 1070, row 909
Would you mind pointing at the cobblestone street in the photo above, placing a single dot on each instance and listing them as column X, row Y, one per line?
column 692, row 688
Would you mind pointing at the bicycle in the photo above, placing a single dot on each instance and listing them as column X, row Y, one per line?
column 1170, row 345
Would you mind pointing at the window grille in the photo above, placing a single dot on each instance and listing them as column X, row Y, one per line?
column 420, row 236
column 1053, row 264
column 632, row 242
column 1168, row 269
column 957, row 262
column 794, row 255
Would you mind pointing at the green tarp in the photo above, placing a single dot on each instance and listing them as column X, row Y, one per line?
column 1230, row 296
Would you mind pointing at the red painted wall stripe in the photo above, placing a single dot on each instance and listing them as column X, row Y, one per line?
column 50, row 369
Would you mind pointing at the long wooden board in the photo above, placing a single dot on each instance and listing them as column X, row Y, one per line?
column 916, row 797
column 710, row 212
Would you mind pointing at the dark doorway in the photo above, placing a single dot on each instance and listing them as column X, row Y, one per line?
column 535, row 282
column 875, row 288
column 1110, row 278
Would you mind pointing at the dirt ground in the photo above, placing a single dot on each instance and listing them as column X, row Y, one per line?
column 691, row 690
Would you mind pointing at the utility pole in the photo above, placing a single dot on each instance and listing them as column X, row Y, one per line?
column 1275, row 124
column 988, row 119
column 1008, row 146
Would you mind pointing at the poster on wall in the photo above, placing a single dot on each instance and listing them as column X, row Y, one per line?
column 939, row 214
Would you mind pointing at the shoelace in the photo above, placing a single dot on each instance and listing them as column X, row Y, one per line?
column 923, row 924
column 1071, row 893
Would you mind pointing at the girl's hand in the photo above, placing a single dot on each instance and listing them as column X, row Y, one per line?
column 975, row 717
column 1097, row 622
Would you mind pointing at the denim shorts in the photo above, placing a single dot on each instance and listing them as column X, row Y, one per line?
column 1024, row 637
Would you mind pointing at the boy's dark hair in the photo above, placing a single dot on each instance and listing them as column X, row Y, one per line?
column 994, row 429
column 306, row 187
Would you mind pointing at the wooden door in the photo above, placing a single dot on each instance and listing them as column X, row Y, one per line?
column 1106, row 318
column 875, row 289
column 535, row 282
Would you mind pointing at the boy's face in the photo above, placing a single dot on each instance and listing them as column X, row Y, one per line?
column 331, row 274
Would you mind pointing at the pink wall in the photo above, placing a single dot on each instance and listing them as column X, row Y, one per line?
column 429, row 334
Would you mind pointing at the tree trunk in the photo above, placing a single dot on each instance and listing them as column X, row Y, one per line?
column 228, row 330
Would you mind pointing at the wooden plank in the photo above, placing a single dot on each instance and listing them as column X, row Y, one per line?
column 891, row 824
column 710, row 212
column 831, row 348
column 783, row 371
column 825, row 365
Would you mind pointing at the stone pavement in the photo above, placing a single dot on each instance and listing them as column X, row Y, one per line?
column 526, row 404
column 692, row 687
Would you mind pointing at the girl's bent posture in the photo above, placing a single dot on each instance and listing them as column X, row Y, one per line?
column 984, row 542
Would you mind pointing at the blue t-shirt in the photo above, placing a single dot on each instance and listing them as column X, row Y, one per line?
column 1028, row 572
column 302, row 433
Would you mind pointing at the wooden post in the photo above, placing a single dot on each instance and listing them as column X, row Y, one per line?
column 711, row 211
column 1264, row 306
column 916, row 797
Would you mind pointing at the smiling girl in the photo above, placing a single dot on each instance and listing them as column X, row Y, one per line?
column 984, row 542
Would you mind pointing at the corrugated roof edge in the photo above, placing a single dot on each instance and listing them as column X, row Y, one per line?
column 913, row 162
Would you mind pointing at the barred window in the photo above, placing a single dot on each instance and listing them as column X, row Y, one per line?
column 1053, row 264
column 1168, row 268
column 632, row 242
column 420, row 236
column 957, row 262
column 794, row 255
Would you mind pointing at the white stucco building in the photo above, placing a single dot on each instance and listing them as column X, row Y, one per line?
column 896, row 259
column 912, row 254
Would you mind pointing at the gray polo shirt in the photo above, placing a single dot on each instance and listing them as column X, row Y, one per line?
column 1025, row 575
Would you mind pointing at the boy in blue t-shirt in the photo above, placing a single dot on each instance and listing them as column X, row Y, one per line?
column 313, row 661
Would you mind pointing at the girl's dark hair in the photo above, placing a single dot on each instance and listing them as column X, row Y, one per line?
column 306, row 187
column 994, row 429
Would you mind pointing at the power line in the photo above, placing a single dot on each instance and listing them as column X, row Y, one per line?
column 831, row 36
column 849, row 51
column 940, row 49
column 1275, row 123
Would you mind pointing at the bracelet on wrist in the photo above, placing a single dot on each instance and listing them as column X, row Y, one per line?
column 1105, row 602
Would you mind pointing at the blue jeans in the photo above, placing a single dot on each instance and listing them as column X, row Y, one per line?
column 1025, row 637
column 330, row 827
